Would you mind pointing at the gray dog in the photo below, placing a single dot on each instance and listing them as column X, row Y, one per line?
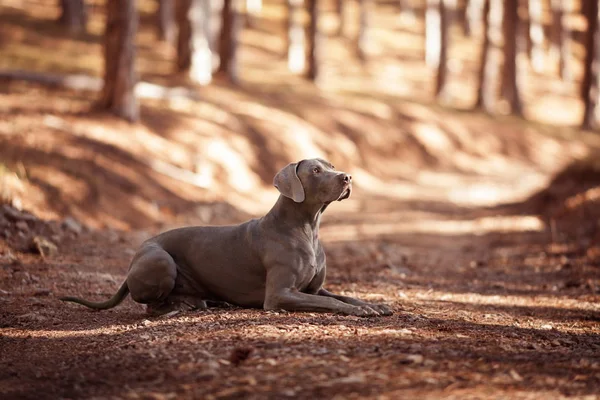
column 274, row 262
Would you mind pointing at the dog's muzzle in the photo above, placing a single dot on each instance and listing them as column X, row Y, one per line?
column 347, row 182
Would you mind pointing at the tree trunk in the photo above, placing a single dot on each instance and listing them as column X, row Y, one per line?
column 437, row 26
column 73, row 15
column 510, row 88
column 536, row 34
column 194, row 56
column 440, row 86
column 228, row 40
column 296, row 43
column 119, row 58
column 590, row 86
column 340, row 10
column 561, row 38
column 184, row 35
column 312, row 72
column 214, row 12
column 556, row 29
column 461, row 16
column 488, row 72
column 165, row 21
column 362, row 43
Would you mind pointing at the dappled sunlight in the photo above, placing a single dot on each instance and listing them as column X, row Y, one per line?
column 117, row 329
column 372, row 184
column 547, row 151
column 478, row 231
column 506, row 300
column 452, row 187
column 226, row 145
column 477, row 226
column 503, row 309
column 433, row 138
column 556, row 110
column 239, row 175
column 265, row 41
column 490, row 194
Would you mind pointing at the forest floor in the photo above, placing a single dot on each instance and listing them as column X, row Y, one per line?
column 481, row 233
column 490, row 300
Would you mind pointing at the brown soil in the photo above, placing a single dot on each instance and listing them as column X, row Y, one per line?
column 481, row 233
column 482, row 310
column 495, row 315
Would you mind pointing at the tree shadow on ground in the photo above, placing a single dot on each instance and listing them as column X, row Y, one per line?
column 94, row 180
column 401, row 353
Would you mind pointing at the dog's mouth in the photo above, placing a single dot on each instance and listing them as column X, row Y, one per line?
column 345, row 193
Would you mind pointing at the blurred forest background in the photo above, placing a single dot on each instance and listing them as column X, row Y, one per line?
column 226, row 91
column 471, row 129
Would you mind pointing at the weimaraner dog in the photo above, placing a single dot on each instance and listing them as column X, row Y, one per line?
column 274, row 262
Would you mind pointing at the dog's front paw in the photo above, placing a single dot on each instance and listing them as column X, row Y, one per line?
column 381, row 309
column 362, row 311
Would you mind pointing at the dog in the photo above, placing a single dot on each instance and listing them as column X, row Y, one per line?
column 275, row 262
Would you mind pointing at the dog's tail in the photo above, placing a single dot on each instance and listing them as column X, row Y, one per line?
column 112, row 302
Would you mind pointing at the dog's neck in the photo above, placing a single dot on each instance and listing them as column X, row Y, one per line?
column 297, row 215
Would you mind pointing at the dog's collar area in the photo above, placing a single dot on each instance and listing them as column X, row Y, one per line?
column 322, row 210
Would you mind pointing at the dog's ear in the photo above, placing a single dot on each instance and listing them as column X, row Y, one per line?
column 288, row 183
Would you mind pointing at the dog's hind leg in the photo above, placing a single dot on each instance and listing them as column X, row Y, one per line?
column 152, row 275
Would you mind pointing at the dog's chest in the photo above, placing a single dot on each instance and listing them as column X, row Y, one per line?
column 312, row 262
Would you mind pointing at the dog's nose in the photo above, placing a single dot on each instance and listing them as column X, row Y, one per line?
column 347, row 178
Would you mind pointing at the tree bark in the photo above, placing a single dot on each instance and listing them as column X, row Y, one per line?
column 312, row 73
column 73, row 15
column 461, row 16
column 437, row 26
column 340, row 9
column 536, row 35
column 556, row 28
column 363, row 29
column 590, row 85
column 119, row 58
column 561, row 37
column 488, row 72
column 165, row 21
column 184, row 35
column 194, row 56
column 510, row 88
column 228, row 40
column 440, row 86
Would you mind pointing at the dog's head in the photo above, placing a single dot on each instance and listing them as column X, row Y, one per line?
column 313, row 181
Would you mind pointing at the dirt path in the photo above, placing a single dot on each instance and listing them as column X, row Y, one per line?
column 491, row 300
column 478, row 313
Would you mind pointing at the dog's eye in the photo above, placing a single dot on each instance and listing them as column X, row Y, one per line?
column 316, row 170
